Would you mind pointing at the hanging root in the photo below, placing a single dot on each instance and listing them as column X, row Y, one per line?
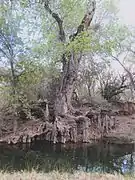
column 68, row 128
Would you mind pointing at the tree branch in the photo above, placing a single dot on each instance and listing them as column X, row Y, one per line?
column 4, row 53
column 57, row 19
column 131, row 50
column 4, row 39
column 86, row 21
column 128, row 72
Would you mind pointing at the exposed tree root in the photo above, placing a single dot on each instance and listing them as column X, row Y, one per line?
column 79, row 126
column 64, row 129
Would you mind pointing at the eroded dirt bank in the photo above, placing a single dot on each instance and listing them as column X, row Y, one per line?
column 85, row 124
column 124, row 131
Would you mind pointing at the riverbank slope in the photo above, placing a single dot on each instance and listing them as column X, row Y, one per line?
column 85, row 124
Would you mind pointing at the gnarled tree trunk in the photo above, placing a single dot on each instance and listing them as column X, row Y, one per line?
column 64, row 95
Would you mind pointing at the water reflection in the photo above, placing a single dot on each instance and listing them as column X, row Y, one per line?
column 101, row 157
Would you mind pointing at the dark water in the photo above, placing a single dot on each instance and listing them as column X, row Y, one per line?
column 42, row 156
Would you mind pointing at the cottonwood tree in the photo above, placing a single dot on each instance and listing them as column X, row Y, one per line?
column 71, row 57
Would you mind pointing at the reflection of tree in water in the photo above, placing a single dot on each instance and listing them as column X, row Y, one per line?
column 45, row 157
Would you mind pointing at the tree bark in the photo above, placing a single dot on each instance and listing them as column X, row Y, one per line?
column 69, row 76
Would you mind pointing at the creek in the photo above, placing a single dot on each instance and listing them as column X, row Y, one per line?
column 43, row 156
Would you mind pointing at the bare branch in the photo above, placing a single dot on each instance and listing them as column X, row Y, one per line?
column 6, row 43
column 128, row 72
column 131, row 50
column 4, row 53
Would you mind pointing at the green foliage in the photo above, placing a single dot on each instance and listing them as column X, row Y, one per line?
column 24, row 3
column 114, row 36
column 72, row 11
column 3, row 10
column 81, row 43
column 32, row 72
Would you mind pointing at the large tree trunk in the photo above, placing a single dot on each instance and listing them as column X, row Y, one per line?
column 69, row 76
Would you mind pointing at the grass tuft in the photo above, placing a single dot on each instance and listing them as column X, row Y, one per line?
column 33, row 175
